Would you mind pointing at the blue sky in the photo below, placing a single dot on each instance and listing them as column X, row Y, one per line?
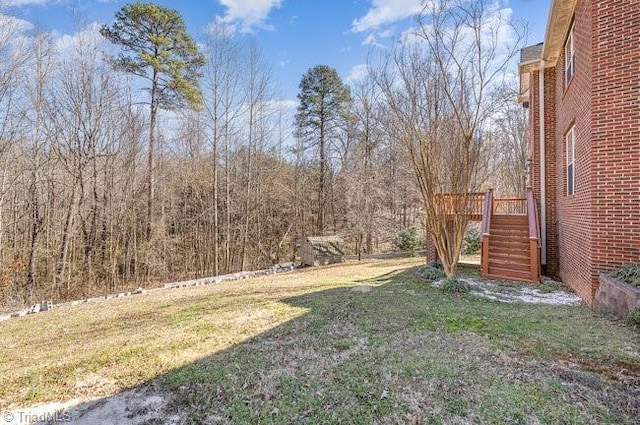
column 294, row 35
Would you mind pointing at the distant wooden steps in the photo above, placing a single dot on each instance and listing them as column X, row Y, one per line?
column 510, row 232
column 509, row 248
column 510, row 241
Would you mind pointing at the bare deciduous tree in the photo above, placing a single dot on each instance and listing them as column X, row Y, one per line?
column 510, row 135
column 222, row 107
column 231, row 191
column 438, row 85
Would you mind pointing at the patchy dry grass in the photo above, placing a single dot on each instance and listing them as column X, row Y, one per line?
column 317, row 346
column 94, row 350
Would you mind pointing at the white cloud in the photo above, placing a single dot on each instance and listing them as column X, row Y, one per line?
column 386, row 33
column 11, row 26
column 221, row 27
column 411, row 36
column 498, row 26
column 371, row 40
column 498, row 39
column 384, row 12
column 15, row 24
column 86, row 37
column 285, row 104
column 358, row 73
column 496, row 31
column 249, row 13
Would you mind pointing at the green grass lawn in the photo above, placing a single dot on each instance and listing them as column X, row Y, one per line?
column 353, row 344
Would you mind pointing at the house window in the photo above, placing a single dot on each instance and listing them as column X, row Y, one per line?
column 569, row 58
column 571, row 161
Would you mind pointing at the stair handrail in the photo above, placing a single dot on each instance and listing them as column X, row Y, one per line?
column 487, row 212
column 486, row 230
column 534, row 235
column 532, row 216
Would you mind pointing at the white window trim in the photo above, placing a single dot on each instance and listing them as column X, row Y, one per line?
column 569, row 57
column 570, row 140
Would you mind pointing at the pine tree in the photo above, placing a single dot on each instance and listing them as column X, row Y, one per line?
column 156, row 47
column 324, row 107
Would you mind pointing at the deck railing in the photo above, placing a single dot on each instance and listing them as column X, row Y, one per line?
column 510, row 206
column 455, row 203
column 476, row 203
column 483, row 206
column 486, row 230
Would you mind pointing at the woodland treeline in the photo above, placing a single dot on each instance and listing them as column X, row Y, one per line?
column 237, row 181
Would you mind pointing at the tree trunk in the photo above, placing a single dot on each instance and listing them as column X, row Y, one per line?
column 66, row 237
column 215, row 231
column 35, row 231
column 227, row 184
column 2, row 196
column 247, row 200
column 151, row 153
column 322, row 183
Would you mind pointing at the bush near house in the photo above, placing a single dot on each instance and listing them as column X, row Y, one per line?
column 629, row 274
column 455, row 286
column 431, row 273
column 435, row 265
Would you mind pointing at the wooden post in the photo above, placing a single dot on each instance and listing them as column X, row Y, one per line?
column 535, row 259
column 486, row 231
column 484, row 261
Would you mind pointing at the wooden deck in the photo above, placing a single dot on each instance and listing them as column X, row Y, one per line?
column 510, row 232
column 470, row 204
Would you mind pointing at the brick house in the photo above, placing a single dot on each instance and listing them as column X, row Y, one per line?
column 582, row 88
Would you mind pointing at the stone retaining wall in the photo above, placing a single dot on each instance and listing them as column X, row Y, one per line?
column 47, row 305
column 616, row 297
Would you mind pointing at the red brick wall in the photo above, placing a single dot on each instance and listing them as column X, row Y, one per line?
column 552, row 265
column 534, row 132
column 598, row 227
column 574, row 214
column 616, row 133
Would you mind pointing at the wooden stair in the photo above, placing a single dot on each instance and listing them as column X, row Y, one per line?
column 509, row 253
column 510, row 243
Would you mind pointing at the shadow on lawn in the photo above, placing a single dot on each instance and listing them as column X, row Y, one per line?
column 246, row 373
column 390, row 351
